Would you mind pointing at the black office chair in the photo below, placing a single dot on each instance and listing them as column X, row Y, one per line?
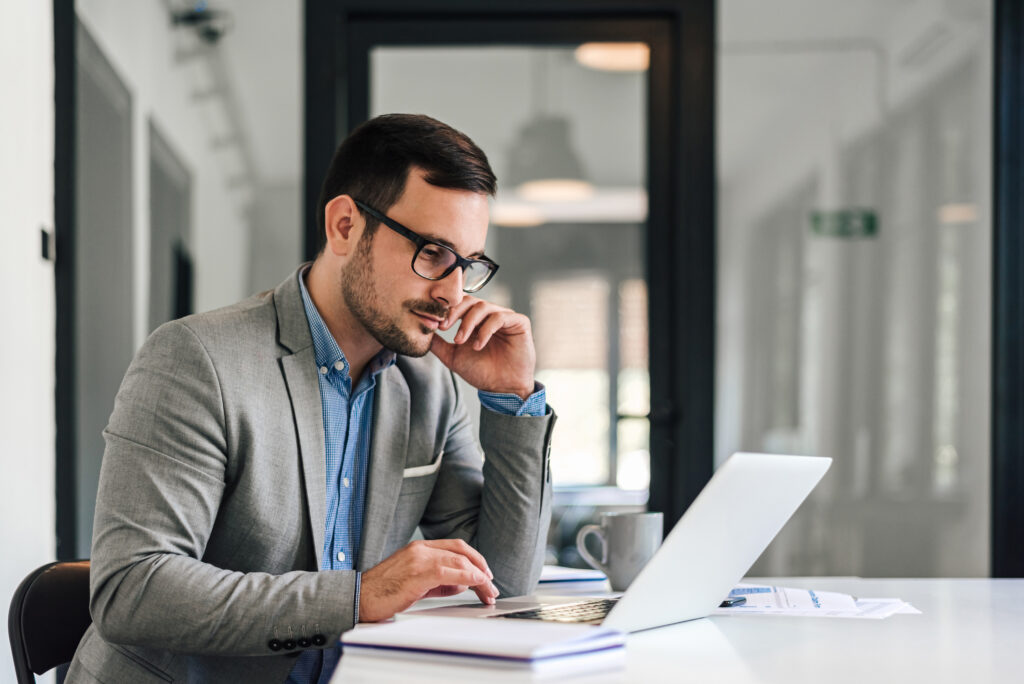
column 49, row 614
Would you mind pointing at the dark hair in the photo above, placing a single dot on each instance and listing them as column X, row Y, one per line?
column 373, row 163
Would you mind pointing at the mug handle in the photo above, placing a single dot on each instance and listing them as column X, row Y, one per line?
column 581, row 546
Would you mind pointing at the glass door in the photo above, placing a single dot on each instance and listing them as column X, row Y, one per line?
column 567, row 141
column 616, row 267
column 855, row 278
column 564, row 128
column 562, row 109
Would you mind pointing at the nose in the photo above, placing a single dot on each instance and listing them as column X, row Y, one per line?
column 449, row 288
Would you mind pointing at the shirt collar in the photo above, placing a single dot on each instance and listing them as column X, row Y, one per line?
column 325, row 347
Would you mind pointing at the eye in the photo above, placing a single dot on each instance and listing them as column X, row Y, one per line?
column 434, row 253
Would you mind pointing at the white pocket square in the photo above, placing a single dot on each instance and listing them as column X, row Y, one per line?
column 420, row 471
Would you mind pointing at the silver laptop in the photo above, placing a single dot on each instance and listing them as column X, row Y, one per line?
column 735, row 517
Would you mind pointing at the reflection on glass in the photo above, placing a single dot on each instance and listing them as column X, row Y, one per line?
column 570, row 318
column 633, row 463
column 854, row 275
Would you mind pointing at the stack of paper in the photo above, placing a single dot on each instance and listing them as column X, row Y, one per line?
column 767, row 600
column 501, row 643
column 557, row 574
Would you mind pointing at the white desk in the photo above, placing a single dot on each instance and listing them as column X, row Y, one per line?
column 969, row 631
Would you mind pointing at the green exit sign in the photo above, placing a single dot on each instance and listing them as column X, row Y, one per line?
column 845, row 223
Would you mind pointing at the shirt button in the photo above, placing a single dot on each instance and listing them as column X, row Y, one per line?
column 344, row 481
column 323, row 370
column 341, row 556
column 338, row 365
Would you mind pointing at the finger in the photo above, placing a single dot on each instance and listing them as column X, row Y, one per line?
column 460, row 547
column 459, row 562
column 471, row 577
column 472, row 318
column 443, row 350
column 465, row 557
column 487, row 593
column 491, row 325
column 455, row 312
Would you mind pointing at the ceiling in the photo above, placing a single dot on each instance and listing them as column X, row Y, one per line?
column 783, row 68
column 263, row 56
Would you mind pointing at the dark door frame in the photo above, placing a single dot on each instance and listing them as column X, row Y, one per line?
column 680, row 245
column 1008, row 292
column 64, row 86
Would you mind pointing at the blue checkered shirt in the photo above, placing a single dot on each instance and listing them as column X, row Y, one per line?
column 348, row 416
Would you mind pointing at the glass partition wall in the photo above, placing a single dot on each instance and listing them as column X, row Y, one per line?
column 566, row 137
column 854, row 274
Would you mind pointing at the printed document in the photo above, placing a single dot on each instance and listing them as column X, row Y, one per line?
column 769, row 600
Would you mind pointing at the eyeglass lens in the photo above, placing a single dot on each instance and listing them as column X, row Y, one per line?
column 433, row 260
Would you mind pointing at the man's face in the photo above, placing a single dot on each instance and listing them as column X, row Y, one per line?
column 398, row 308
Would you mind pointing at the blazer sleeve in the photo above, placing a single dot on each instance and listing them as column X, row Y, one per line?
column 161, row 483
column 498, row 501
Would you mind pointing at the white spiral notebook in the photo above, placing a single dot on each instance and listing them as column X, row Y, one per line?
column 498, row 643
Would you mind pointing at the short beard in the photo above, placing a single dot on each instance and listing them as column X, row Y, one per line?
column 359, row 291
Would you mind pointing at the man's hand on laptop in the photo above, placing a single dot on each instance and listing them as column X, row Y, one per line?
column 493, row 350
column 422, row 569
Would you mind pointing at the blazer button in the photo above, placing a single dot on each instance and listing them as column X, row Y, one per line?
column 288, row 644
column 304, row 642
column 319, row 639
column 274, row 645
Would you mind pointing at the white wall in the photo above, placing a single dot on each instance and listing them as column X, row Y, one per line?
column 27, row 502
column 145, row 50
column 275, row 245
column 136, row 38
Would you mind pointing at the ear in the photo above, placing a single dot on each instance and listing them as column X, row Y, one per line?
column 343, row 224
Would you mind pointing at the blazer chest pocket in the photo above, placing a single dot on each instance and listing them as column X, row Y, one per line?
column 420, row 478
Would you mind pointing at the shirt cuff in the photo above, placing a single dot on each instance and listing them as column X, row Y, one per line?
column 511, row 405
column 359, row 585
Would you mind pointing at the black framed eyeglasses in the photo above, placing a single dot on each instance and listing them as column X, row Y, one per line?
column 435, row 261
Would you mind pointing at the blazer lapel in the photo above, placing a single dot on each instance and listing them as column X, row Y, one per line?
column 304, row 389
column 300, row 374
column 388, row 446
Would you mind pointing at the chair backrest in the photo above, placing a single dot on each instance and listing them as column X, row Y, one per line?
column 49, row 614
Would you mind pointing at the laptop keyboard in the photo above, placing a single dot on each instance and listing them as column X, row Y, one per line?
column 593, row 610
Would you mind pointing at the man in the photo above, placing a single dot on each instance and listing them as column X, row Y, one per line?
column 315, row 427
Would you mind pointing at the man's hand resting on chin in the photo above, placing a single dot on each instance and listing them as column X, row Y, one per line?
column 493, row 350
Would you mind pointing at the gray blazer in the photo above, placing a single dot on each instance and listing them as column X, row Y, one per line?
column 210, row 514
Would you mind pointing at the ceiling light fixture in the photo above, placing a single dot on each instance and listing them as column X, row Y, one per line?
column 510, row 215
column 954, row 213
column 555, row 190
column 614, row 56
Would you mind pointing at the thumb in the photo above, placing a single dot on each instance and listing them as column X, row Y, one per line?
column 443, row 350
